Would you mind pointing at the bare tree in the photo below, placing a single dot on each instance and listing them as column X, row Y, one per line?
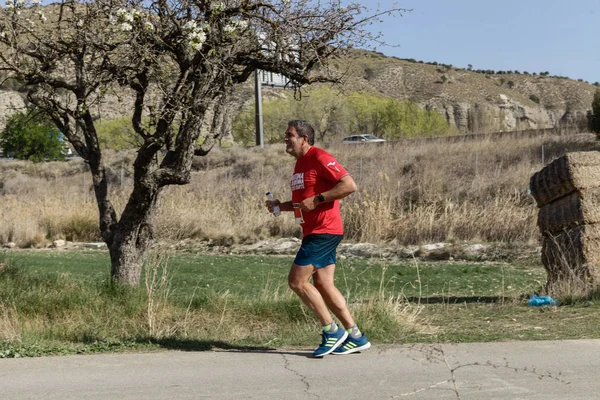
column 179, row 60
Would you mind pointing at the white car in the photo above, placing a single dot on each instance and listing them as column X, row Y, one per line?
column 361, row 139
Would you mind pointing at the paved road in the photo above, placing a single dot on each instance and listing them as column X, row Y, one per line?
column 566, row 370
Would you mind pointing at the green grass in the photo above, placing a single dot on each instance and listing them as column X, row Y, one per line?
column 248, row 276
column 55, row 302
column 244, row 276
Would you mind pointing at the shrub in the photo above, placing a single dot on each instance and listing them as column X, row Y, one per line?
column 32, row 136
column 534, row 98
column 118, row 134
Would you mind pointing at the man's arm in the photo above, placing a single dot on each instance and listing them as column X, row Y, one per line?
column 285, row 206
column 345, row 187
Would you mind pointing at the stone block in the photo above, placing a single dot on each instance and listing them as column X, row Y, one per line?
column 573, row 255
column 573, row 171
column 575, row 209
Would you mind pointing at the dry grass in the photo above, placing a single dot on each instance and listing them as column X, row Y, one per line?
column 10, row 329
column 411, row 192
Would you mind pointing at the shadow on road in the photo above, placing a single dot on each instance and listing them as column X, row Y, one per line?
column 464, row 299
column 208, row 345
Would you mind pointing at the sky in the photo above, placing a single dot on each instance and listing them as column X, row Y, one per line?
column 561, row 37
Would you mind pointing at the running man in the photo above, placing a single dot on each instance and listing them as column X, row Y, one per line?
column 318, row 182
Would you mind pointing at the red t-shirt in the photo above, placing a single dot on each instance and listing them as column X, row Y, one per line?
column 316, row 172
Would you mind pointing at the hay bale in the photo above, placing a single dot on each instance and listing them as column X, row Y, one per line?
column 571, row 172
column 575, row 209
column 573, row 255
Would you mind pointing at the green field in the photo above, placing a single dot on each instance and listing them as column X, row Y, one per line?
column 61, row 302
column 249, row 276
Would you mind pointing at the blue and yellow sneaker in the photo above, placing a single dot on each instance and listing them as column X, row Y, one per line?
column 352, row 345
column 330, row 342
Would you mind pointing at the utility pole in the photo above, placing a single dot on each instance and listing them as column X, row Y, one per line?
column 258, row 109
column 272, row 80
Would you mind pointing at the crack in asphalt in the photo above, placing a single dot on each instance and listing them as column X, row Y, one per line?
column 303, row 379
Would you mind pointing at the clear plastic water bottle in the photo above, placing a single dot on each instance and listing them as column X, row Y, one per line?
column 276, row 210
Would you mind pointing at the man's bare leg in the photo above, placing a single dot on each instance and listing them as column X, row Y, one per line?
column 324, row 283
column 298, row 280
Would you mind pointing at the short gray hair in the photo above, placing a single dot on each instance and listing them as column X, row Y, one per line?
column 303, row 128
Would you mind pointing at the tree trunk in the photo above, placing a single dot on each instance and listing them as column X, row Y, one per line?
column 127, row 253
column 133, row 235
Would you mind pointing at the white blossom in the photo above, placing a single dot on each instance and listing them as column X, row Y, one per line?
column 218, row 6
column 197, row 36
column 126, row 27
column 194, row 34
column 127, row 20
column 2, row 35
column 197, row 39
column 235, row 25
column 80, row 23
column 196, row 46
column 189, row 26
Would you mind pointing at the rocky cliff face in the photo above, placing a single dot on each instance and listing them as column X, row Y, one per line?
column 471, row 101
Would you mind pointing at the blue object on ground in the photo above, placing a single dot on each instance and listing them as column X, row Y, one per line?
column 538, row 301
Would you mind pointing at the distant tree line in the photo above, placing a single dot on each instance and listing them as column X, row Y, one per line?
column 334, row 116
column 491, row 71
column 30, row 136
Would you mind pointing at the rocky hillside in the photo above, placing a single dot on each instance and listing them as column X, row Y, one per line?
column 469, row 100
column 474, row 101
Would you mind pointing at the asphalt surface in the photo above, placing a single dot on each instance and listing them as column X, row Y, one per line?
column 544, row 370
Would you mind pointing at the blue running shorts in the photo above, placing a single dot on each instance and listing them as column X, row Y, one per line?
column 318, row 250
